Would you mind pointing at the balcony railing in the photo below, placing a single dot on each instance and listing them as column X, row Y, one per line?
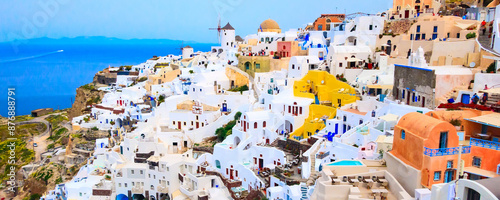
column 137, row 189
column 324, row 155
column 445, row 151
column 485, row 143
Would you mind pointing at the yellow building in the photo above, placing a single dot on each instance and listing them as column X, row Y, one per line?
column 269, row 25
column 328, row 93
column 166, row 74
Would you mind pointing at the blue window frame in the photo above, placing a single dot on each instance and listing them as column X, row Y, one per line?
column 423, row 36
column 403, row 134
column 449, row 164
column 434, row 36
column 476, row 162
column 437, row 176
column 435, row 29
column 418, row 29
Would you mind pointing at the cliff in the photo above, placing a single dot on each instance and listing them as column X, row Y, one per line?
column 85, row 96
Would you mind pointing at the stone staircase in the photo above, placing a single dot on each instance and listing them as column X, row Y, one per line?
column 452, row 93
column 493, row 99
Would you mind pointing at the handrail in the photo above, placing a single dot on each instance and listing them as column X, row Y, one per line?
column 445, row 151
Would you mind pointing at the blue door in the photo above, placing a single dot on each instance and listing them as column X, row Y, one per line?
column 448, row 176
column 336, row 129
column 465, row 98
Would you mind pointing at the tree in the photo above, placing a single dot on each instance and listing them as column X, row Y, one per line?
column 491, row 68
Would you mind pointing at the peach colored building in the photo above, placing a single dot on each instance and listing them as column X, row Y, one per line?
column 404, row 9
column 288, row 48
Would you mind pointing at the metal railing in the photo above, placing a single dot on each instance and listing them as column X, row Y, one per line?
column 445, row 151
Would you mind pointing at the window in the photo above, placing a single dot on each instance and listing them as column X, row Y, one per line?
column 418, row 29
column 345, row 118
column 437, row 176
column 458, row 35
column 293, row 66
column 142, row 172
column 255, row 125
column 257, row 66
column 132, row 171
column 435, row 29
column 264, row 124
column 125, row 184
column 449, row 164
column 448, row 35
column 423, row 36
column 360, row 121
column 340, row 64
column 320, row 27
column 217, row 164
column 411, row 36
column 370, row 27
column 417, row 37
column 476, row 161
column 403, row 134
column 119, row 184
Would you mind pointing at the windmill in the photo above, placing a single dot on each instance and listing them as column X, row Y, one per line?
column 219, row 28
column 181, row 46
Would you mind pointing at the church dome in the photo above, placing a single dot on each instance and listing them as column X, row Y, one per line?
column 269, row 24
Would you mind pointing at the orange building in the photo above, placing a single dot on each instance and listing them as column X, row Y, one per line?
column 322, row 23
column 432, row 146
column 483, row 135
column 429, row 145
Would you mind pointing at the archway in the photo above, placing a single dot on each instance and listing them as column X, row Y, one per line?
column 247, row 65
column 389, row 47
column 351, row 40
column 138, row 197
column 237, row 140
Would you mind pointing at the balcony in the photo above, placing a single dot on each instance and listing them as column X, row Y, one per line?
column 162, row 189
column 485, row 143
column 137, row 189
column 445, row 151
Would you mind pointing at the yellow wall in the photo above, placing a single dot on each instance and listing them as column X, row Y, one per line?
column 329, row 90
column 238, row 78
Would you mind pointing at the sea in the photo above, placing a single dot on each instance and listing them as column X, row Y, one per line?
column 46, row 72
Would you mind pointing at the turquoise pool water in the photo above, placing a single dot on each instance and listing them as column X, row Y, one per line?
column 346, row 163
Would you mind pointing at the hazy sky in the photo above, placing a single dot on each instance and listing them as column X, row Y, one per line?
column 162, row 19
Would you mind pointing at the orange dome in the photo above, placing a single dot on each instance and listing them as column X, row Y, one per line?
column 269, row 24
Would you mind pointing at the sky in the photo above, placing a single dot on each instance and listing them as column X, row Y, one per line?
column 187, row 20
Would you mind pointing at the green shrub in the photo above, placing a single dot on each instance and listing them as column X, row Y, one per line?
column 470, row 35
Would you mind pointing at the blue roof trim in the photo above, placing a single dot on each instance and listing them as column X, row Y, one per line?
column 414, row 67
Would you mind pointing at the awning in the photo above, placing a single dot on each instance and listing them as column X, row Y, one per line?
column 463, row 25
column 389, row 117
column 481, row 172
column 489, row 120
column 380, row 86
column 353, row 60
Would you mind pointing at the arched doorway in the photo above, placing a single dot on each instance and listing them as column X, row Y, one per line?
column 237, row 140
column 247, row 66
column 388, row 50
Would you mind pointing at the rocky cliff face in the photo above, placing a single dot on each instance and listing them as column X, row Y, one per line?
column 85, row 95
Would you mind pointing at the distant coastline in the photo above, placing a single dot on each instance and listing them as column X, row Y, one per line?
column 46, row 77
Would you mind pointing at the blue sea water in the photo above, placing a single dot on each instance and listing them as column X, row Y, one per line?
column 44, row 77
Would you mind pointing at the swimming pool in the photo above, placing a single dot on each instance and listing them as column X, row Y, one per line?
column 346, row 163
